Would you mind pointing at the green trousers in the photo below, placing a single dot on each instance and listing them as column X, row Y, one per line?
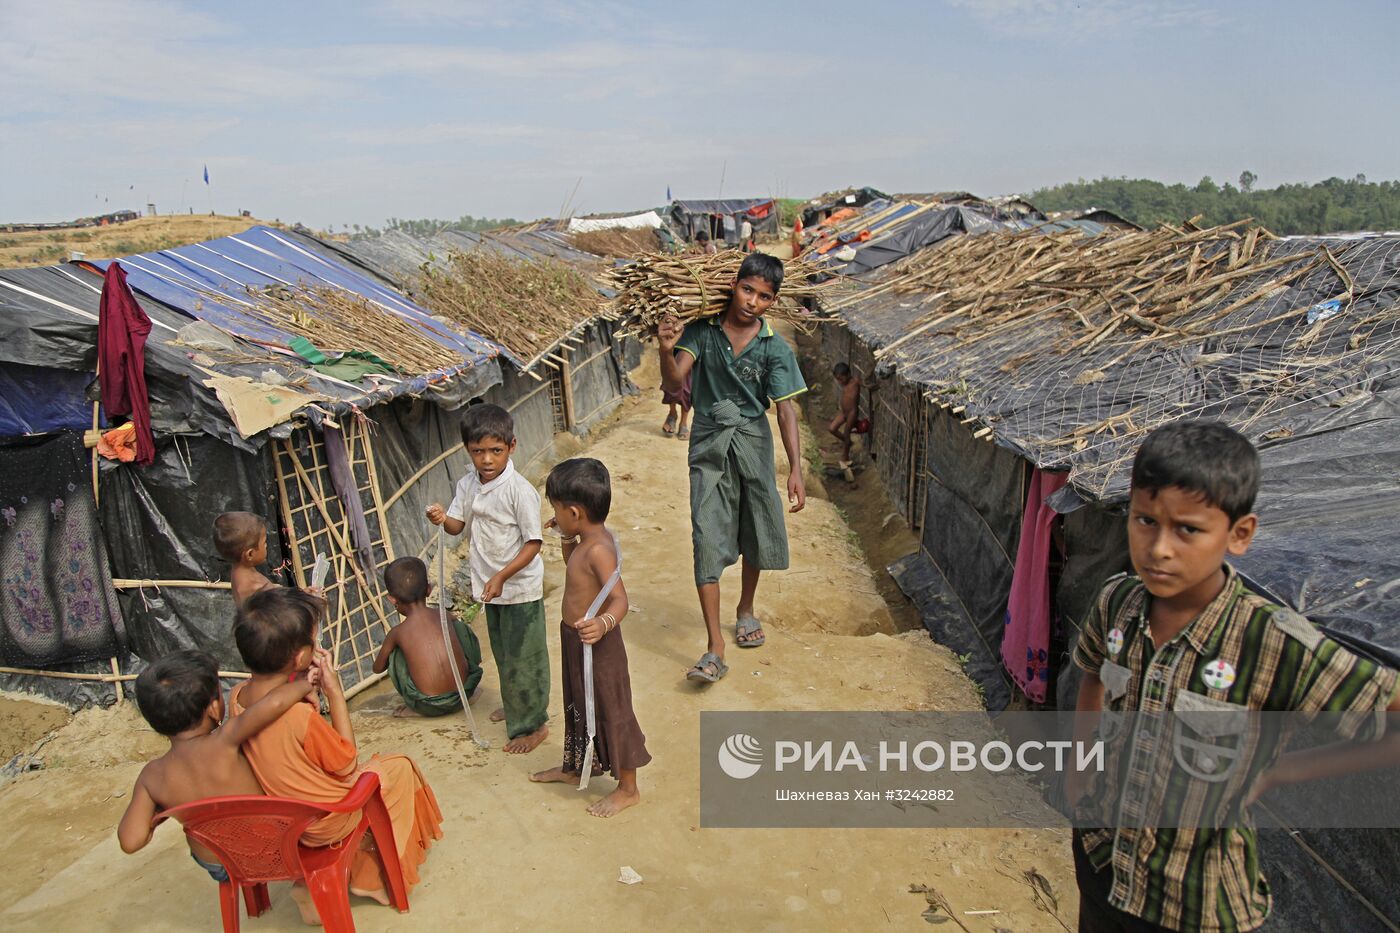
column 519, row 645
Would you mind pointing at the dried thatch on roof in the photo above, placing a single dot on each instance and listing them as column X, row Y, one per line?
column 527, row 305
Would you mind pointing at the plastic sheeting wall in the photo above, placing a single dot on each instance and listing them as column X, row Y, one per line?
column 598, row 375
column 158, row 523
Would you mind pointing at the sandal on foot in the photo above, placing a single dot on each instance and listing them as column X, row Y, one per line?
column 746, row 626
column 670, row 426
column 709, row 668
column 682, row 434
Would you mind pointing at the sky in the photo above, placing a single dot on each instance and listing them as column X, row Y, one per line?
column 345, row 113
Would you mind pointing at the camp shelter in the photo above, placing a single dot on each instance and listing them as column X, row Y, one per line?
column 721, row 219
column 860, row 240
column 989, row 365
column 574, row 377
column 820, row 208
column 320, row 448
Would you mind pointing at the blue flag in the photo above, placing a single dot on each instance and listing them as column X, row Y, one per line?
column 206, row 174
column 668, row 192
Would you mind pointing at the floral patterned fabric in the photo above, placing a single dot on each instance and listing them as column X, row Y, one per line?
column 57, row 605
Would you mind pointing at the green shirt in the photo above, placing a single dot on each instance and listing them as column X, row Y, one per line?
column 1243, row 652
column 765, row 372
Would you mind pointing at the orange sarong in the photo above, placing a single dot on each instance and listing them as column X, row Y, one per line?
column 299, row 755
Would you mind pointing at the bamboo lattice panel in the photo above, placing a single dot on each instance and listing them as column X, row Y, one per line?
column 358, row 615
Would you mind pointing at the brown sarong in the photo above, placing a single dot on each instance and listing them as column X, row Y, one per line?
column 619, row 742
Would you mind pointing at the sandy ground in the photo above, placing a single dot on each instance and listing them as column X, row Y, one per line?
column 518, row 855
column 41, row 247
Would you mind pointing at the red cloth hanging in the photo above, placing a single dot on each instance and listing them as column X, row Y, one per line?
column 122, row 329
column 1025, row 643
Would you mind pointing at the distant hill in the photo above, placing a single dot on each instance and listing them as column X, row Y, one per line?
column 1331, row 206
column 143, row 235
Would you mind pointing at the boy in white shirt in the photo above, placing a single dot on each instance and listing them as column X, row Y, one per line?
column 500, row 510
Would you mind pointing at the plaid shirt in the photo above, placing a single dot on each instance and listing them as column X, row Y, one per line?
column 1242, row 652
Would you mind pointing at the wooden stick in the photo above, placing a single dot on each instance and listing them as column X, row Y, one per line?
column 97, row 678
column 380, row 513
column 126, row 584
column 117, row 682
column 566, row 386
column 388, row 503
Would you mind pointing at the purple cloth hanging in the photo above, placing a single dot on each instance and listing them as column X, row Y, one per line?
column 1025, row 645
column 343, row 478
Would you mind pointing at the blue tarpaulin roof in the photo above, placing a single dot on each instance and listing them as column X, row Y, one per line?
column 192, row 279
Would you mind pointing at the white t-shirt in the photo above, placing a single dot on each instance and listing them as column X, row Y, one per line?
column 745, row 230
column 501, row 516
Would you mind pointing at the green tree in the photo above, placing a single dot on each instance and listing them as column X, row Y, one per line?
column 1247, row 180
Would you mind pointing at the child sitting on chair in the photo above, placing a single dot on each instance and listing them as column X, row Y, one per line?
column 300, row 756
column 581, row 493
column 179, row 696
column 415, row 653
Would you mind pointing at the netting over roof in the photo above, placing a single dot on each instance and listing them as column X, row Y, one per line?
column 1071, row 347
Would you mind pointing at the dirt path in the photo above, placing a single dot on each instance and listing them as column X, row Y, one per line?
column 518, row 855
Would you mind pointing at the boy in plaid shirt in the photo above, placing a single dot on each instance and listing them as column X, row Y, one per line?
column 1186, row 633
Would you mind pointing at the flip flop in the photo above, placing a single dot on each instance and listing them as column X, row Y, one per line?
column 747, row 625
column 670, row 425
column 708, row 660
column 682, row 434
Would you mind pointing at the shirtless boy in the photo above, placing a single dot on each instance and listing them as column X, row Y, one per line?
column 414, row 652
column 843, row 425
column 241, row 539
column 580, row 492
column 179, row 696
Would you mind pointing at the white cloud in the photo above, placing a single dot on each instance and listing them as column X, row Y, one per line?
column 1088, row 18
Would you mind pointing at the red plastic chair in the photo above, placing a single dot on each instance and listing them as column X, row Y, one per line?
column 258, row 839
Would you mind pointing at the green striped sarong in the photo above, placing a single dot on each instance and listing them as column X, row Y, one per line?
column 439, row 704
column 735, row 507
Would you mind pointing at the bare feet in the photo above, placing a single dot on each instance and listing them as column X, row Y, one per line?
column 560, row 776
column 498, row 715
column 302, row 897
column 615, row 803
column 379, row 894
column 403, row 712
column 527, row 743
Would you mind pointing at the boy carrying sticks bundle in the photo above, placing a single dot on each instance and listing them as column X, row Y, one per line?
column 740, row 367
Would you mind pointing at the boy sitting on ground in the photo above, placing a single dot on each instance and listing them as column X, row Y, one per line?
column 1186, row 633
column 580, row 492
column 179, row 696
column 500, row 510
column 241, row 539
column 414, row 652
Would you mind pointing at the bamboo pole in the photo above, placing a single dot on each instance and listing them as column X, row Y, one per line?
column 97, row 678
column 566, row 388
column 129, row 584
column 370, row 469
column 423, row 471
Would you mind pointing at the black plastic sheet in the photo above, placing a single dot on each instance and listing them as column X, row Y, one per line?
column 158, row 522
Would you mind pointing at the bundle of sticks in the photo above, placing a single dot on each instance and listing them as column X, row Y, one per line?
column 334, row 319
column 691, row 287
column 526, row 305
